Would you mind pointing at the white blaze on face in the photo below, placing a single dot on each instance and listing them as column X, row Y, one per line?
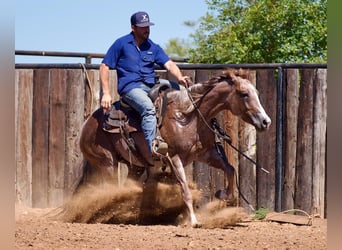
column 262, row 120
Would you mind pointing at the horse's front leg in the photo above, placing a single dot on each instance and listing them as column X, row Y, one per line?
column 178, row 169
column 214, row 159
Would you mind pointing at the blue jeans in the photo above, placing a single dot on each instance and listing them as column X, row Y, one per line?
column 138, row 99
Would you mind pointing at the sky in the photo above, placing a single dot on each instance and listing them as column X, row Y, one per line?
column 92, row 26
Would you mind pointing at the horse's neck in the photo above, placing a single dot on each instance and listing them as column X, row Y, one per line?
column 215, row 100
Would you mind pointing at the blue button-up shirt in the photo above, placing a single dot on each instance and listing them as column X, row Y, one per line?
column 134, row 65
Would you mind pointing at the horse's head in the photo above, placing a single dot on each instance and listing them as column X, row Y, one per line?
column 244, row 101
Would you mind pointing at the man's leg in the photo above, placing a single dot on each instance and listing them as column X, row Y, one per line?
column 138, row 99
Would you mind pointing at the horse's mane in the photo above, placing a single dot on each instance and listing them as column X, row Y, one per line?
column 200, row 89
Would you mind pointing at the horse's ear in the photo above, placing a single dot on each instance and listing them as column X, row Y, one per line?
column 231, row 74
column 242, row 73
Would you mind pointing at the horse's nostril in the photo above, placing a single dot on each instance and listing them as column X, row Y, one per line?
column 265, row 123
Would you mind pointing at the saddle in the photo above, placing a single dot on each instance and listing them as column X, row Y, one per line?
column 121, row 117
column 124, row 120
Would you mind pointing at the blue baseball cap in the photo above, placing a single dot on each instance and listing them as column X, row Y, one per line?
column 141, row 19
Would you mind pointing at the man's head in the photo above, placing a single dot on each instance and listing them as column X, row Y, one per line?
column 141, row 19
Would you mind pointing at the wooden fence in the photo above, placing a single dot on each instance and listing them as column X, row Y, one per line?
column 52, row 104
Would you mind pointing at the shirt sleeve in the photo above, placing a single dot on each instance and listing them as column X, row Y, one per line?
column 112, row 55
column 161, row 57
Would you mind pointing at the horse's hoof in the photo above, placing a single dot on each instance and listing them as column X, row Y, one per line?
column 196, row 225
column 221, row 194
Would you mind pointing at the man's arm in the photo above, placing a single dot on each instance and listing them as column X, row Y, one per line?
column 106, row 100
column 175, row 71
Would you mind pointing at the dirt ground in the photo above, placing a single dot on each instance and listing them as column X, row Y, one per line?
column 128, row 218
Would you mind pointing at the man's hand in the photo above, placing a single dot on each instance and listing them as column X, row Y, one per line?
column 175, row 71
column 185, row 81
column 106, row 102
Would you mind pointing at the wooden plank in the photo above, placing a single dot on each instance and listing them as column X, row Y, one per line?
column 291, row 90
column 40, row 137
column 95, row 85
column 247, row 170
column 266, row 142
column 303, row 195
column 319, row 141
column 230, row 125
column 74, row 120
column 113, row 85
column 57, row 136
column 23, row 135
column 201, row 172
column 289, row 218
column 92, row 91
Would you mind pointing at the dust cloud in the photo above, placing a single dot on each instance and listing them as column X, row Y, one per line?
column 156, row 203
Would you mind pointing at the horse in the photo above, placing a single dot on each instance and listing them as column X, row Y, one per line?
column 185, row 128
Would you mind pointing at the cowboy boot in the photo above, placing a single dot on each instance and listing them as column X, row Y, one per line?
column 159, row 147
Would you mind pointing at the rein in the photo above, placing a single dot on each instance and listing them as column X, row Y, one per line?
column 227, row 139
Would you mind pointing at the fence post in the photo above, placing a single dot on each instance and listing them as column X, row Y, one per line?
column 279, row 142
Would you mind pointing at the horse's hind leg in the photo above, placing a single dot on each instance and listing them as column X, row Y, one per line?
column 98, row 150
column 102, row 166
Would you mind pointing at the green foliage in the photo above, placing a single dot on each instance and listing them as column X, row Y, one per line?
column 262, row 31
column 177, row 48
column 260, row 214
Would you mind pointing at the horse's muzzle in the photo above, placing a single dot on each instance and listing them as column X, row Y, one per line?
column 266, row 123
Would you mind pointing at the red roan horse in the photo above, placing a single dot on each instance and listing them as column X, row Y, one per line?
column 184, row 128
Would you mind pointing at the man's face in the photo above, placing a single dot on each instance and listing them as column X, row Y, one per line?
column 142, row 33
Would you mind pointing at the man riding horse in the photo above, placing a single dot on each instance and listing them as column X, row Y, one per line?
column 134, row 56
column 186, row 117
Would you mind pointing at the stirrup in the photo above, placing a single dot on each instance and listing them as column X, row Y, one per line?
column 159, row 147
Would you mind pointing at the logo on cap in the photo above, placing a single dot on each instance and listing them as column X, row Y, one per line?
column 144, row 18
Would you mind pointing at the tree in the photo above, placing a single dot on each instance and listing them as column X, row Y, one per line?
column 177, row 48
column 262, row 31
